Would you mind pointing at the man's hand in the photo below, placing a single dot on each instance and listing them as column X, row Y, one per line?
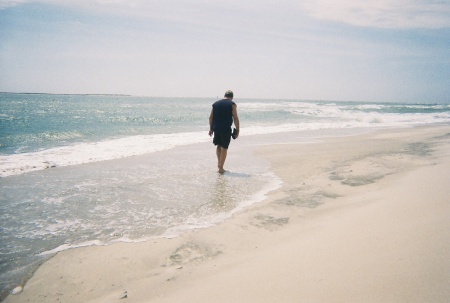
column 210, row 132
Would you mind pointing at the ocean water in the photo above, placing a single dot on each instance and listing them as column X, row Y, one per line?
column 79, row 170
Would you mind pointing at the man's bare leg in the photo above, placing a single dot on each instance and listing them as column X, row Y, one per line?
column 218, row 155
column 221, row 157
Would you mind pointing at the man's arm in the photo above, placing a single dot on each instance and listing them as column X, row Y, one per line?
column 210, row 123
column 235, row 118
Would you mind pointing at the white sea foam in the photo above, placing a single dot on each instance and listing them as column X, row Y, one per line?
column 70, row 246
column 81, row 153
column 331, row 118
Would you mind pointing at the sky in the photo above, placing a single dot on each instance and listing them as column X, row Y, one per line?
column 348, row 50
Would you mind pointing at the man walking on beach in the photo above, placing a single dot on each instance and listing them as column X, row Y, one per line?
column 220, row 120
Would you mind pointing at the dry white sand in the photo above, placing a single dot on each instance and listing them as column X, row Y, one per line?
column 358, row 219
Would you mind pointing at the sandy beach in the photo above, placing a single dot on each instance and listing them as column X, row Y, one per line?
column 358, row 219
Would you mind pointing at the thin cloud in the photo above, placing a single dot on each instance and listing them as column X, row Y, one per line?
column 390, row 14
column 10, row 3
column 402, row 14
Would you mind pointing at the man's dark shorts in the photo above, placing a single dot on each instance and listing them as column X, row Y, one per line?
column 222, row 138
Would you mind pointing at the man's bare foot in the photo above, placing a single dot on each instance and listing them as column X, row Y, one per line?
column 221, row 171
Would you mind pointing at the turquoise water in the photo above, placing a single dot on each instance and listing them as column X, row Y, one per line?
column 41, row 131
column 32, row 122
column 95, row 169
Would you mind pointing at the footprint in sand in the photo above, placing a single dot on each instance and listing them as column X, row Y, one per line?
column 190, row 252
column 268, row 222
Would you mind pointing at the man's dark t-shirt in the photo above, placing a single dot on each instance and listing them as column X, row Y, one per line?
column 222, row 115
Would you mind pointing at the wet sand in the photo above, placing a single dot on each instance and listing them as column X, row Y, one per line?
column 358, row 219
